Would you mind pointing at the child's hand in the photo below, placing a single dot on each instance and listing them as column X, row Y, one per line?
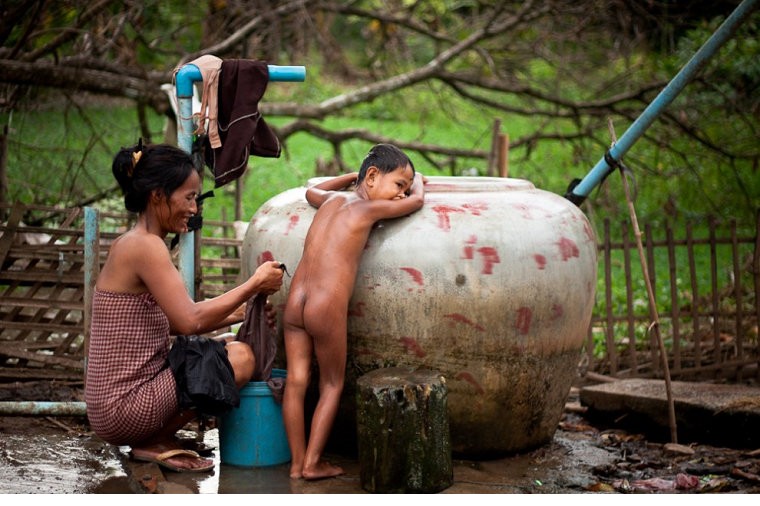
column 417, row 184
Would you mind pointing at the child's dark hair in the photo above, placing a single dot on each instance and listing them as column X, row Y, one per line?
column 141, row 169
column 385, row 157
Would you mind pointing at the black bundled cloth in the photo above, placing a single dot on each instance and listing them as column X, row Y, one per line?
column 204, row 375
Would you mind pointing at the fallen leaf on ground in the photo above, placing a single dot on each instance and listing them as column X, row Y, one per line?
column 653, row 484
column 600, row 487
column 686, row 481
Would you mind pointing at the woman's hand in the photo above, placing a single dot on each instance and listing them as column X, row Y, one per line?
column 268, row 277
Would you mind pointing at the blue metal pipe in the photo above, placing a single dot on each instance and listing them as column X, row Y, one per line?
column 186, row 76
column 36, row 408
column 578, row 193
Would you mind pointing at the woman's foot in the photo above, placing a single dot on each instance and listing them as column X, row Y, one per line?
column 321, row 470
column 198, row 447
column 173, row 457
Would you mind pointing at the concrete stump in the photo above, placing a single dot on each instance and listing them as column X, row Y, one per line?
column 403, row 431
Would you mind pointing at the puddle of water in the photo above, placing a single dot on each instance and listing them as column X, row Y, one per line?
column 72, row 464
column 55, row 464
column 228, row 479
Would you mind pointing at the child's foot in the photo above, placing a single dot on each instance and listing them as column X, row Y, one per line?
column 321, row 470
column 295, row 473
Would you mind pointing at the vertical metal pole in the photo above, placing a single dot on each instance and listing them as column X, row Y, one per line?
column 726, row 30
column 91, row 270
column 185, row 80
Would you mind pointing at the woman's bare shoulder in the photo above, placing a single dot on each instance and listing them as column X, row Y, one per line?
column 139, row 244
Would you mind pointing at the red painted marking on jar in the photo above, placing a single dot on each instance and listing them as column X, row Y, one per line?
column 490, row 257
column 567, row 248
column 525, row 211
column 476, row 208
column 413, row 346
column 415, row 274
column 524, row 315
column 469, row 251
column 444, row 222
column 460, row 318
column 557, row 311
column 357, row 310
column 265, row 256
column 540, row 261
column 469, row 378
column 293, row 221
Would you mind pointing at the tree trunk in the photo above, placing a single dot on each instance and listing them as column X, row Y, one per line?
column 403, row 431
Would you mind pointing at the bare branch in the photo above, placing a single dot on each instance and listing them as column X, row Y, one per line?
column 83, row 79
column 397, row 19
column 235, row 38
column 590, row 107
column 432, row 68
column 69, row 33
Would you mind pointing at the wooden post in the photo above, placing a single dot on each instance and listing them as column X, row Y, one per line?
column 239, row 198
column 504, row 155
column 403, row 431
column 494, row 154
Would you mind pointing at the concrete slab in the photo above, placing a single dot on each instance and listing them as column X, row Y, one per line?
column 717, row 414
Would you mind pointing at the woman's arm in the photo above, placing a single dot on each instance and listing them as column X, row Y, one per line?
column 160, row 276
column 237, row 316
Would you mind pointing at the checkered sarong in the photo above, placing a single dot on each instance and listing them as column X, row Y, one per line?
column 130, row 391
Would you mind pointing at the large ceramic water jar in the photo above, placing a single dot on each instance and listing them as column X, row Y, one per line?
column 491, row 283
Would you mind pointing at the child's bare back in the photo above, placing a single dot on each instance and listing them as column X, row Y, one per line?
column 332, row 252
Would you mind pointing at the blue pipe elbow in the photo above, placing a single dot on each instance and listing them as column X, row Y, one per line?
column 190, row 73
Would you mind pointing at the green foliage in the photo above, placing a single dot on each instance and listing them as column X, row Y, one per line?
column 64, row 156
column 673, row 172
column 722, row 107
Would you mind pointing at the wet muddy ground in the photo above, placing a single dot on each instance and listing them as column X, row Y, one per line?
column 60, row 455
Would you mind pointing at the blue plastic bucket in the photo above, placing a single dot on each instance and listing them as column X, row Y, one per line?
column 253, row 434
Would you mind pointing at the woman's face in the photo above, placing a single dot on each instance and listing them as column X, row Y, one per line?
column 181, row 205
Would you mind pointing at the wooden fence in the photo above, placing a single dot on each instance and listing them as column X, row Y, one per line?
column 707, row 294
column 42, row 285
column 706, row 289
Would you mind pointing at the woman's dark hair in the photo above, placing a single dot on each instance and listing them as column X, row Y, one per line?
column 141, row 169
column 385, row 157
